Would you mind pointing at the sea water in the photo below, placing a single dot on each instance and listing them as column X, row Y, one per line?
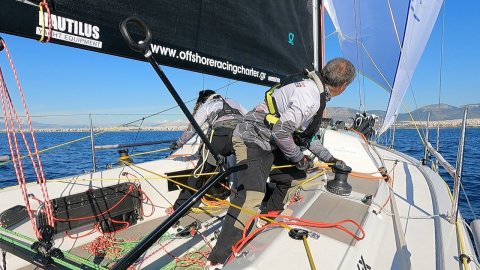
column 76, row 158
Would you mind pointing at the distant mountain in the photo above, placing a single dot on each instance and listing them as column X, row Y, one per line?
column 346, row 114
column 442, row 112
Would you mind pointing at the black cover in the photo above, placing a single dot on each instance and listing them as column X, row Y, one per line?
column 263, row 40
column 183, row 180
column 13, row 216
column 93, row 203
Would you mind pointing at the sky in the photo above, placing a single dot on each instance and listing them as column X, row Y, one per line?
column 64, row 85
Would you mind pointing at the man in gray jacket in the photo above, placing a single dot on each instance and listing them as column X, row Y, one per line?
column 290, row 115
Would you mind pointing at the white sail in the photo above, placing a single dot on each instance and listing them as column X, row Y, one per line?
column 385, row 39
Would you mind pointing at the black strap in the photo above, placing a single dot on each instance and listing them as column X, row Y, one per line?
column 304, row 138
column 227, row 109
column 4, row 259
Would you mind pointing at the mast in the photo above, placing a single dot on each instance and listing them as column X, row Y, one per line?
column 318, row 34
column 322, row 32
column 315, row 28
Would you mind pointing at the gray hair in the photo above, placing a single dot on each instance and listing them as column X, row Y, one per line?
column 337, row 72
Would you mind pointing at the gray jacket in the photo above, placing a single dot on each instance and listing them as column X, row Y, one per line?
column 208, row 114
column 297, row 103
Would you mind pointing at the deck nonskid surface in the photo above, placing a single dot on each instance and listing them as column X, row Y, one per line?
column 142, row 229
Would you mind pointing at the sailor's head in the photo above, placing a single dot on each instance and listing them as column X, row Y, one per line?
column 203, row 95
column 337, row 74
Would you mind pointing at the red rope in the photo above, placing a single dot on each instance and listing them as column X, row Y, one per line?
column 13, row 125
column 145, row 199
column 100, row 245
column 297, row 222
column 33, row 156
column 127, row 225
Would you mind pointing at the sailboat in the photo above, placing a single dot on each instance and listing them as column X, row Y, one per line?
column 399, row 214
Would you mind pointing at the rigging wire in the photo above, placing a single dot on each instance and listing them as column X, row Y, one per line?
column 409, row 76
column 138, row 132
column 468, row 201
column 442, row 43
column 228, row 88
column 361, row 105
column 123, row 125
column 390, row 90
column 363, row 77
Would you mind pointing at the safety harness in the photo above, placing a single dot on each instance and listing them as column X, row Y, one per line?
column 227, row 109
column 273, row 115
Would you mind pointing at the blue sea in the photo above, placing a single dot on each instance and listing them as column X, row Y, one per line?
column 75, row 158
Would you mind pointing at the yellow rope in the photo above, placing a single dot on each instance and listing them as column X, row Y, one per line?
column 56, row 146
column 414, row 123
column 411, row 117
column 204, row 209
column 304, row 182
column 462, row 245
column 307, row 249
column 118, row 179
column 42, row 20
column 150, row 152
column 209, row 196
column 196, row 210
column 460, row 241
column 309, row 253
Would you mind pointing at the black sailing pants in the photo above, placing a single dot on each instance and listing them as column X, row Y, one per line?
column 251, row 191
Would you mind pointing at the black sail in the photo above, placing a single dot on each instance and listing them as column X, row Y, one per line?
column 258, row 41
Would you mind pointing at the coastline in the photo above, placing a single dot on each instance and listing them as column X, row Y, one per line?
column 109, row 129
column 456, row 123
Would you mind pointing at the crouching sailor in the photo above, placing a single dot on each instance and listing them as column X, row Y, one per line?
column 268, row 131
column 222, row 116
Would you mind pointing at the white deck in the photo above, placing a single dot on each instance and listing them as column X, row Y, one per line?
column 416, row 237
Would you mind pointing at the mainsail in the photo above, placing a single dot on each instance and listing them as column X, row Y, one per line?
column 258, row 41
column 384, row 40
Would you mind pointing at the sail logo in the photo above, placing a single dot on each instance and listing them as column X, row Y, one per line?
column 69, row 30
column 196, row 58
column 273, row 79
column 291, row 36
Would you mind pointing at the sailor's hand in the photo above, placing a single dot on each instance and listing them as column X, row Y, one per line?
column 305, row 163
column 336, row 162
column 221, row 160
column 339, row 165
column 174, row 146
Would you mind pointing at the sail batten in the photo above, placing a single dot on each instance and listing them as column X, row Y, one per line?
column 386, row 43
column 258, row 41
